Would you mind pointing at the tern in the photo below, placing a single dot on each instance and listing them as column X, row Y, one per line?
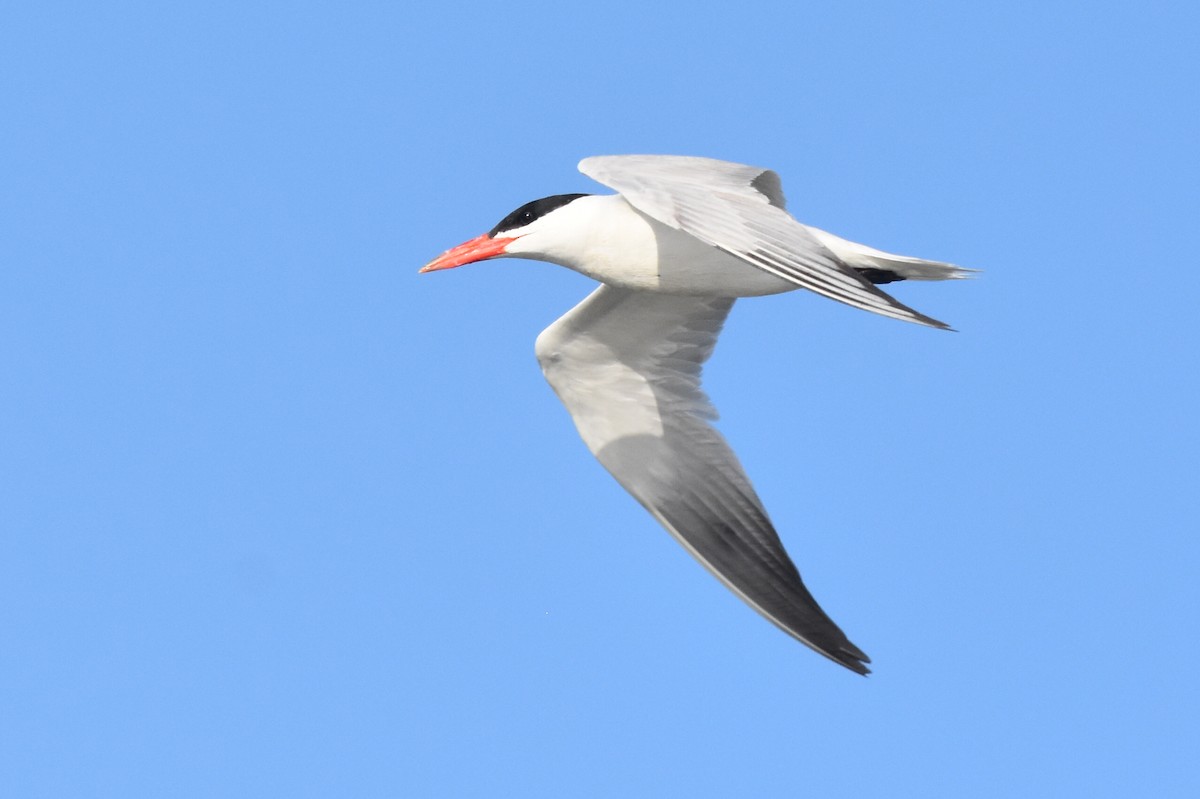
column 680, row 241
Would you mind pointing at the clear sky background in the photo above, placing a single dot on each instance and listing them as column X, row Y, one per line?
column 278, row 517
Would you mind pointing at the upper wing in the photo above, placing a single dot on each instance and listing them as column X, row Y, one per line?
column 627, row 366
column 740, row 209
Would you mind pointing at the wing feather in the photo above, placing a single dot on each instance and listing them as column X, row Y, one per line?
column 627, row 366
column 740, row 209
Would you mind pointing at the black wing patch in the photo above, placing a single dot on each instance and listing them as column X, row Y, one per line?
column 878, row 276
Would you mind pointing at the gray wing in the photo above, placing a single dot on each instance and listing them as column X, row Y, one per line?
column 740, row 209
column 627, row 366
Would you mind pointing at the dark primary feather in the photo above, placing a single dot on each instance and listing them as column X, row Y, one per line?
column 627, row 366
column 740, row 209
column 878, row 276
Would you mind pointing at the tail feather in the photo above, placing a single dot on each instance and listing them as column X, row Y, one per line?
column 888, row 266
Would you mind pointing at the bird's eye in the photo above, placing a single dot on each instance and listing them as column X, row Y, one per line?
column 530, row 212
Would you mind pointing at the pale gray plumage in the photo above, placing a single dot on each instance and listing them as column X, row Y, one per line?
column 681, row 240
column 627, row 366
column 740, row 209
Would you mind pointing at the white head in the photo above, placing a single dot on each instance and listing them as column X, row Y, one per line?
column 544, row 230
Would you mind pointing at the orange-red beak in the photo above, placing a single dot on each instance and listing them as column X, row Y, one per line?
column 479, row 248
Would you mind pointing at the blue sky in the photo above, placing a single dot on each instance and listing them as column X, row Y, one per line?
column 281, row 518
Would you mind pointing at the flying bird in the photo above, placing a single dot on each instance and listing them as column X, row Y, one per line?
column 680, row 241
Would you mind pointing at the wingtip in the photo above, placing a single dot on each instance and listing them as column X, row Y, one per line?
column 852, row 658
column 921, row 319
column 856, row 666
